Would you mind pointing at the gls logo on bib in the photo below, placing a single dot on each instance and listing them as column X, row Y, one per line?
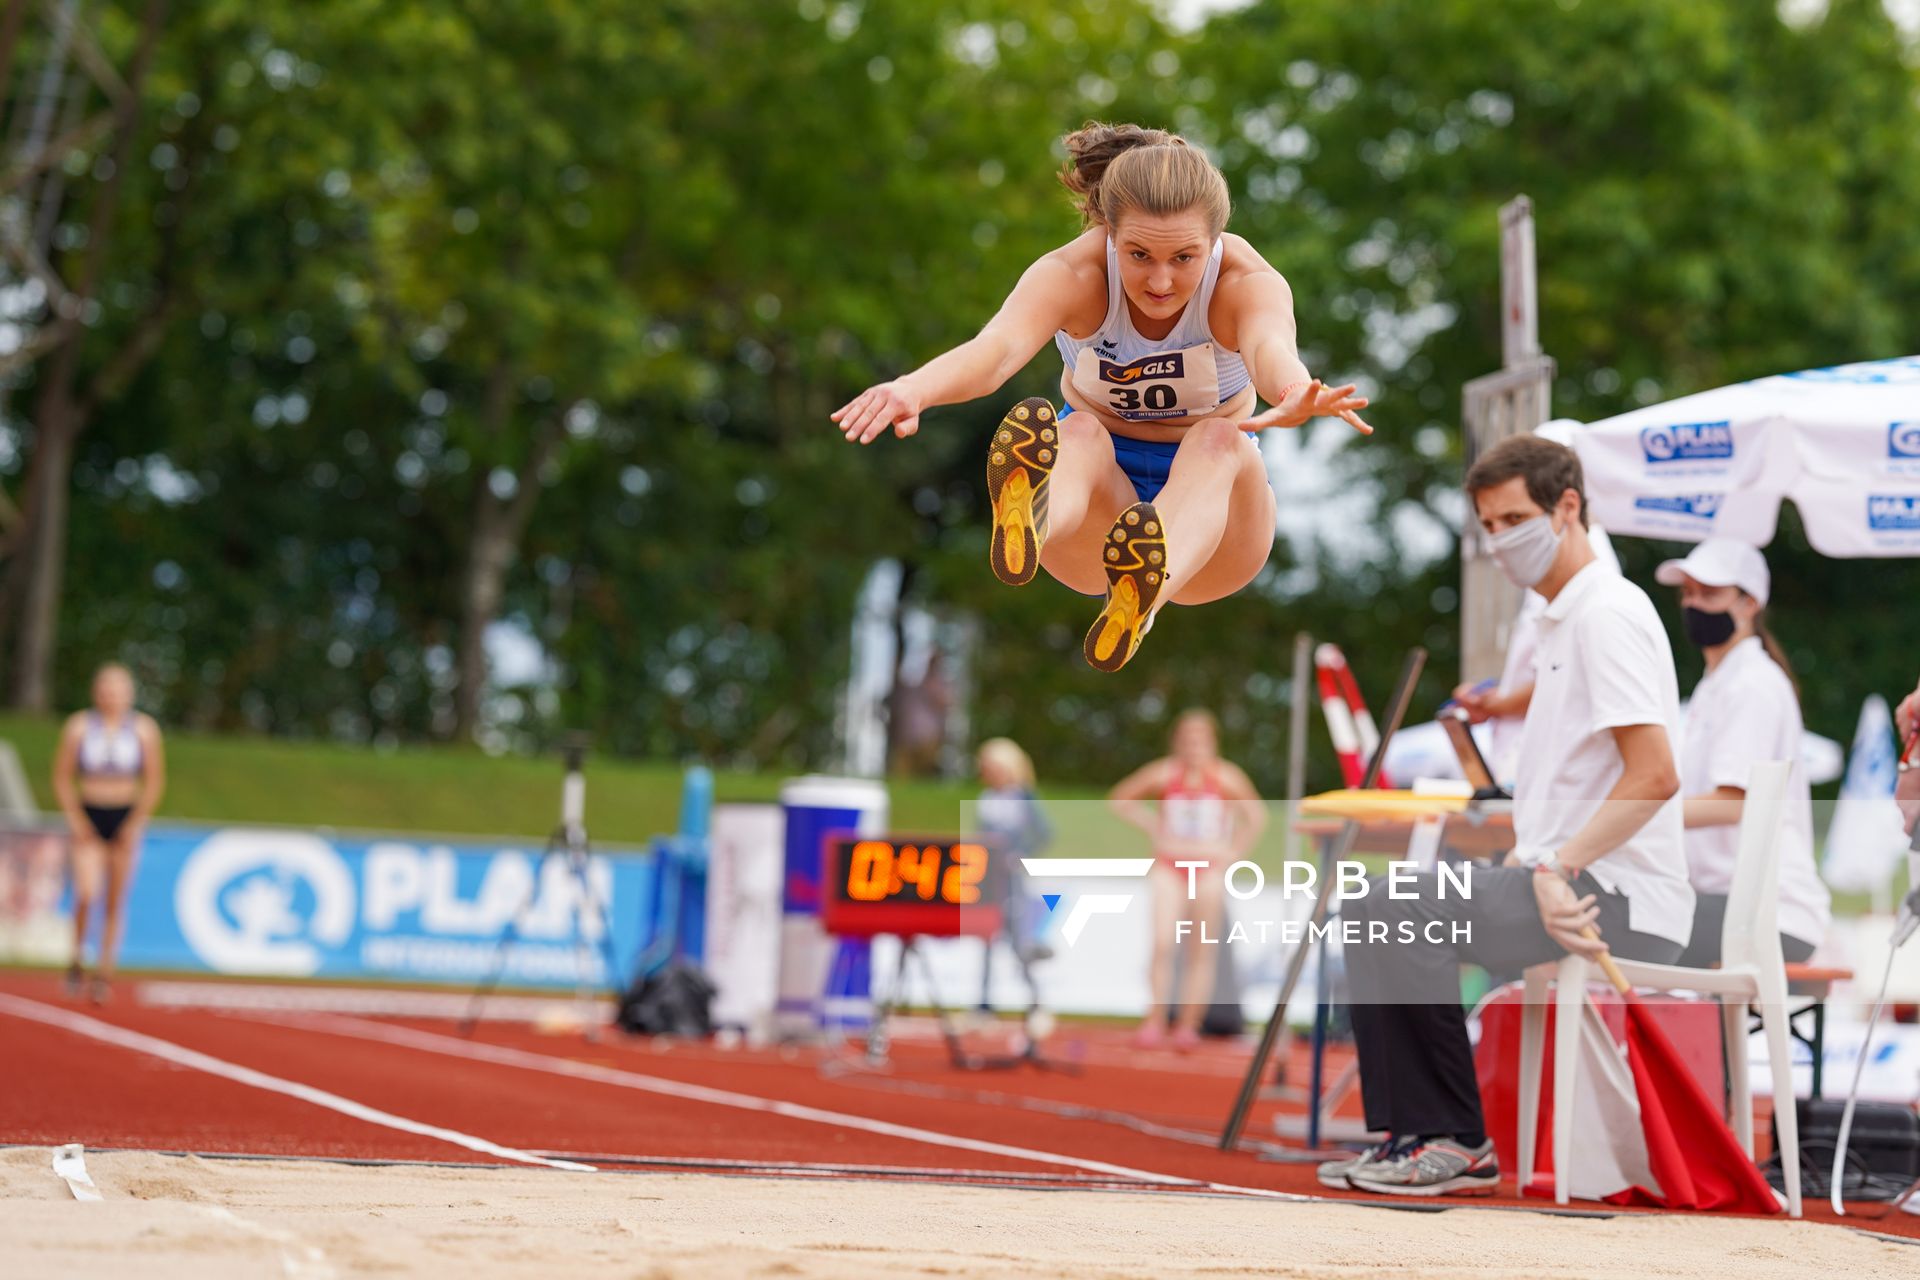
column 1903, row 440
column 1160, row 366
column 1688, row 442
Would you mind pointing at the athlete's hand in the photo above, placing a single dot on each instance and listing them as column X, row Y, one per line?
column 891, row 404
column 1305, row 401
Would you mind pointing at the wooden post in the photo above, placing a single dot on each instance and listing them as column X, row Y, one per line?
column 1515, row 400
column 1303, row 698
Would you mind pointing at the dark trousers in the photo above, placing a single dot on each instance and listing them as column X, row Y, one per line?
column 1409, row 1028
column 1709, row 918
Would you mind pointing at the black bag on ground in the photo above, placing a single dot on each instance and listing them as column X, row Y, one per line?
column 673, row 1001
column 1883, row 1148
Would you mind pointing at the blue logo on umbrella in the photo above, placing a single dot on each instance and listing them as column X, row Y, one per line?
column 1688, row 442
column 1893, row 513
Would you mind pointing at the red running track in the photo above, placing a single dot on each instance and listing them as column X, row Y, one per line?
column 598, row 1102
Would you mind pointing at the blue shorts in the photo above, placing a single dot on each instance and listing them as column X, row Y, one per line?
column 1147, row 463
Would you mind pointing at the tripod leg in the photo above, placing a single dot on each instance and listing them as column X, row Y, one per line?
column 956, row 1052
column 877, row 1034
column 509, row 934
column 589, row 897
column 1276, row 1021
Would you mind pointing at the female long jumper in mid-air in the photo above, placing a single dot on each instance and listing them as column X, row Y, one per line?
column 1148, row 484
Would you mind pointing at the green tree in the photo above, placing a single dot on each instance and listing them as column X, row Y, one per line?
column 1714, row 192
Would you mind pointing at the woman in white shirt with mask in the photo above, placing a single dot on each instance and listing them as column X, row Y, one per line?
column 1745, row 709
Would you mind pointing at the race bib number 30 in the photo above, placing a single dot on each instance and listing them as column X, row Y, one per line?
column 1163, row 384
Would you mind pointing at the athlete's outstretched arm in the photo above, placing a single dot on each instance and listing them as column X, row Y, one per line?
column 979, row 366
column 1263, row 304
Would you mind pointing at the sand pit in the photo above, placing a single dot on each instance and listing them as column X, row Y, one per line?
column 198, row 1219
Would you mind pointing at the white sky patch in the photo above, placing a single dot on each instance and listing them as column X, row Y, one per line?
column 515, row 656
column 1190, row 15
column 1322, row 505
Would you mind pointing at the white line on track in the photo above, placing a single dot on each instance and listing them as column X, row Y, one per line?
column 369, row 1002
column 504, row 1056
column 167, row 1051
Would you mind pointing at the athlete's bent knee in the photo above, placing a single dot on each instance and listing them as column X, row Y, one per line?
column 1080, row 430
column 1214, row 437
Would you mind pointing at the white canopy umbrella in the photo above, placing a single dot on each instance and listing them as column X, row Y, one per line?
column 1842, row 443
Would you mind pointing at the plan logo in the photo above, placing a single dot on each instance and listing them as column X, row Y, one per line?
column 1688, row 442
column 1086, row 906
column 264, row 902
column 1903, row 440
column 1893, row 513
column 1698, row 506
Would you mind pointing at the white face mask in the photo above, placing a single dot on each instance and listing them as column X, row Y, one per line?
column 1527, row 550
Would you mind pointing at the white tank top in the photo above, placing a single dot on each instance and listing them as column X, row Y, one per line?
column 104, row 754
column 1144, row 379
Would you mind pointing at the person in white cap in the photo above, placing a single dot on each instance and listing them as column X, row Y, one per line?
column 1746, row 709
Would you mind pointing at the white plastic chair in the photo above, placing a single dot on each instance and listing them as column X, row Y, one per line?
column 1752, row 972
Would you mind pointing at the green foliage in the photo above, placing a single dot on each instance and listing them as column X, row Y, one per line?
column 387, row 247
column 1714, row 196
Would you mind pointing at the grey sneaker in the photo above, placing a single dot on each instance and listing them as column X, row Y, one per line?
column 1433, row 1167
column 1334, row 1173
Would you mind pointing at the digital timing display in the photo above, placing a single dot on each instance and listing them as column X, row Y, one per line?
column 930, row 885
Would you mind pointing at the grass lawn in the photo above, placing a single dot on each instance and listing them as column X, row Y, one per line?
column 462, row 791
column 454, row 791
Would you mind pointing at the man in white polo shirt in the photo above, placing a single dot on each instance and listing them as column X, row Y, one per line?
column 1597, row 824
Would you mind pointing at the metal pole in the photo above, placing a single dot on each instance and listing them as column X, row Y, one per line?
column 1343, row 844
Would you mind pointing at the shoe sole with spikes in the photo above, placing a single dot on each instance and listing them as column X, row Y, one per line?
column 1135, row 559
column 1020, row 461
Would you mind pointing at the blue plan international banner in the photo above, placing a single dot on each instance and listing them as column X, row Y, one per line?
column 291, row 903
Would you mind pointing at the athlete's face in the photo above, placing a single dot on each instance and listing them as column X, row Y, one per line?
column 1194, row 742
column 113, row 692
column 1162, row 258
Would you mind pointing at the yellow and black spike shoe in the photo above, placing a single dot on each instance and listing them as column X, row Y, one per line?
column 1135, row 558
column 1025, row 446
